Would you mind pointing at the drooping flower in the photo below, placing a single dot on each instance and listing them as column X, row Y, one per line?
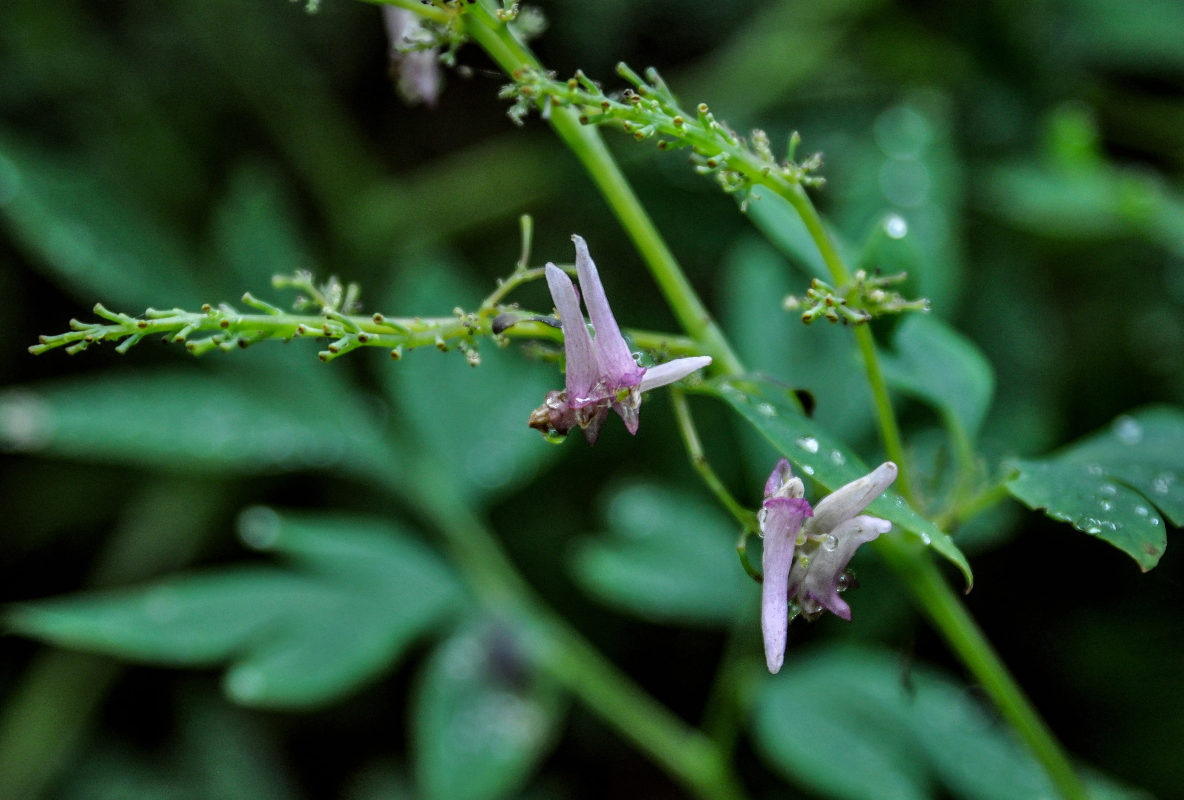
column 806, row 550
column 414, row 62
column 601, row 371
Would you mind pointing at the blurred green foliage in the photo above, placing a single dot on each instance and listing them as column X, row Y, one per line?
column 175, row 153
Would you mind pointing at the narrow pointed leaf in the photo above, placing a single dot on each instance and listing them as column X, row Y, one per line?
column 291, row 637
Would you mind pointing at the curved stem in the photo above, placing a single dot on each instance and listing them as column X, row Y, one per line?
column 889, row 430
column 686, row 754
column 949, row 616
column 585, row 142
column 690, row 437
column 682, row 752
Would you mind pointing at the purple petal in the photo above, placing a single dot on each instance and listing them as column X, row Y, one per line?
column 781, row 519
column 616, row 362
column 672, row 371
column 845, row 502
column 780, row 475
column 582, row 367
column 827, row 562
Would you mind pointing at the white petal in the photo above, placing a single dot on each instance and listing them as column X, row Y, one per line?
column 845, row 502
column 672, row 371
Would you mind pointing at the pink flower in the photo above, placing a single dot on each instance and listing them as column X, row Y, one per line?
column 825, row 538
column 601, row 371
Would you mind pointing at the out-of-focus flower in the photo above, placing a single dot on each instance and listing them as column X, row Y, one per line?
column 806, row 551
column 415, row 63
column 601, row 372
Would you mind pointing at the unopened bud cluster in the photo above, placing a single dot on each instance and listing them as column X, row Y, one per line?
column 649, row 110
column 854, row 303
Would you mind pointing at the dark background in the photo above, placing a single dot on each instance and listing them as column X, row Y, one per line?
column 1054, row 149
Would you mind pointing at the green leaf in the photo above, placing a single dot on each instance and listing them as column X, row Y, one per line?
column 781, row 225
column 754, row 281
column 911, row 212
column 190, row 421
column 98, row 241
column 667, row 557
column 292, row 638
column 255, row 230
column 816, row 453
column 1110, row 484
column 482, row 720
column 473, row 418
column 852, row 723
column 933, row 362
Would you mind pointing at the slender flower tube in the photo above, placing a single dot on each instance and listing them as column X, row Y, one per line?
column 601, row 371
column 825, row 538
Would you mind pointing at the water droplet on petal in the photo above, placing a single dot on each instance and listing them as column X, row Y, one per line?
column 830, row 543
column 807, row 443
column 1128, row 430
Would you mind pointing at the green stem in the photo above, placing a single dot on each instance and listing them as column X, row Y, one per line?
column 889, row 430
column 596, row 680
column 688, row 755
column 690, row 437
column 949, row 616
column 585, row 142
column 964, row 510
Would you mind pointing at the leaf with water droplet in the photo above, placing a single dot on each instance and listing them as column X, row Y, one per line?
column 1110, row 483
column 787, row 428
column 292, row 638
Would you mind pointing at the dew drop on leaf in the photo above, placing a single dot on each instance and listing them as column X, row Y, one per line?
column 895, row 226
column 807, row 443
column 1128, row 430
